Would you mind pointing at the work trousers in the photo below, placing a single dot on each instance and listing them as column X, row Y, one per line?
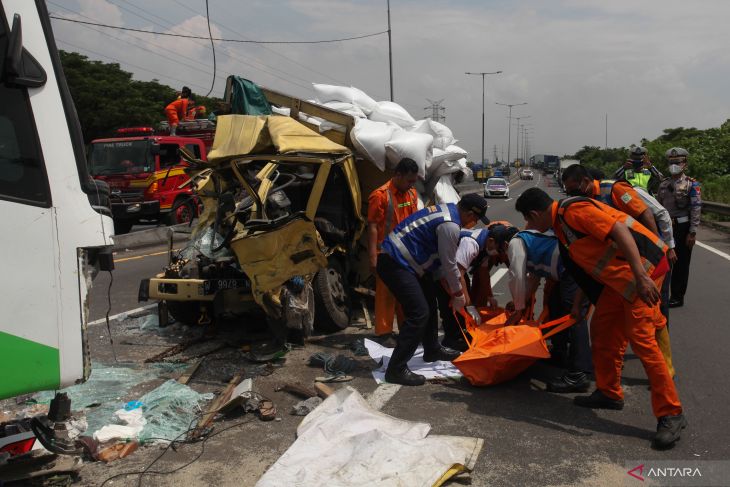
column 417, row 297
column 680, row 271
column 386, row 308
column 575, row 341
column 616, row 323
column 452, row 325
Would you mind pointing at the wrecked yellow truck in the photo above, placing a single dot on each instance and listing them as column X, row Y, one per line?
column 279, row 232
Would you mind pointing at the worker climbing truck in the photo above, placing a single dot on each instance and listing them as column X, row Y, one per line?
column 56, row 227
column 143, row 168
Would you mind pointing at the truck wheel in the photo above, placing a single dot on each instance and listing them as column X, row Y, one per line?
column 185, row 312
column 332, row 300
column 122, row 226
column 182, row 211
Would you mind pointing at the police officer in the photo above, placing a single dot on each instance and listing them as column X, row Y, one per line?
column 681, row 196
column 639, row 171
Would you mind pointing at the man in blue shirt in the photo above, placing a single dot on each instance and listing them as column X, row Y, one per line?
column 418, row 246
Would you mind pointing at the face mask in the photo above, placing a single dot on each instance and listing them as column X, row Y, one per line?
column 675, row 169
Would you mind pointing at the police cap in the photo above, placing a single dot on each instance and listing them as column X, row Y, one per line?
column 676, row 152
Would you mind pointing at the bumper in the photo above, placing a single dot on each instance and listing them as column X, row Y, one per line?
column 129, row 210
column 191, row 289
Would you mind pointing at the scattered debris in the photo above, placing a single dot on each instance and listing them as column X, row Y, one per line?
column 170, row 410
column 334, row 378
column 302, row 408
column 296, row 389
column 213, row 408
column 333, row 365
column 323, row 391
column 238, row 396
column 132, row 424
column 267, row 410
column 115, row 452
column 175, row 349
column 358, row 348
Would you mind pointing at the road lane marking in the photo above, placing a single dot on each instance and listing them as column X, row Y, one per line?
column 124, row 314
column 714, row 250
column 497, row 276
column 382, row 394
column 137, row 257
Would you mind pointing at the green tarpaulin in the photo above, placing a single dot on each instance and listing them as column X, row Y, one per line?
column 247, row 98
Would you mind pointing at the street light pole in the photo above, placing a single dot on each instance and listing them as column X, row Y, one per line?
column 483, row 74
column 509, row 127
column 518, row 135
column 390, row 54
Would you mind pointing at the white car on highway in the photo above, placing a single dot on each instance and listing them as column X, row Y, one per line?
column 496, row 187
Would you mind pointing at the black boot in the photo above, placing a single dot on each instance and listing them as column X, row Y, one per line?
column 668, row 430
column 441, row 353
column 569, row 382
column 404, row 377
column 455, row 344
column 598, row 400
column 676, row 302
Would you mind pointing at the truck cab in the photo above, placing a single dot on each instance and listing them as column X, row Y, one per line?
column 146, row 173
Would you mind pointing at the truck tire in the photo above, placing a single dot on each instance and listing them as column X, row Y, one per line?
column 332, row 299
column 122, row 226
column 183, row 211
column 185, row 312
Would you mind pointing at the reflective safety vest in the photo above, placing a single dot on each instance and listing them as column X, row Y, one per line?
column 640, row 178
column 543, row 256
column 602, row 260
column 414, row 243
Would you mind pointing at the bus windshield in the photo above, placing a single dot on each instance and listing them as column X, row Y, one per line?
column 120, row 157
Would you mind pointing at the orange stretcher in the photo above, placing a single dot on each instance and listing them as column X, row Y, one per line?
column 498, row 353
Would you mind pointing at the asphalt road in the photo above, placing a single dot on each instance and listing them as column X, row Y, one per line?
column 531, row 437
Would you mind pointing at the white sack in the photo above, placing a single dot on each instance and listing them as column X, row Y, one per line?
column 348, row 108
column 388, row 111
column 369, row 138
column 327, row 93
column 412, row 145
column 134, row 423
column 444, row 191
column 286, row 111
column 362, row 100
column 345, row 442
column 442, row 135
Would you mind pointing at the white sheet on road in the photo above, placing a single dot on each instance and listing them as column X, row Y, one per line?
column 434, row 370
column 345, row 442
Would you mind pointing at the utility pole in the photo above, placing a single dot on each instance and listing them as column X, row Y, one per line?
column 495, row 153
column 482, row 74
column 390, row 54
column 509, row 126
column 518, row 133
column 438, row 112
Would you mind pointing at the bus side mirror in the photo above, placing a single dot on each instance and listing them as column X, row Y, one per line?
column 21, row 68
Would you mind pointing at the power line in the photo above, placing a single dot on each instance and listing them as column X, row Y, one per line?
column 438, row 112
column 242, row 41
column 212, row 46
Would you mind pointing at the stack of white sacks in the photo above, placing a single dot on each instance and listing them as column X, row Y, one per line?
column 385, row 133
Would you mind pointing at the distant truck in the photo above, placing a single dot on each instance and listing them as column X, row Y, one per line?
column 145, row 172
column 548, row 163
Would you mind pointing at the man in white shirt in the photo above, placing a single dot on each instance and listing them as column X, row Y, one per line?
column 533, row 256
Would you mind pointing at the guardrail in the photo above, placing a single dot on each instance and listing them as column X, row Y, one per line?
column 717, row 208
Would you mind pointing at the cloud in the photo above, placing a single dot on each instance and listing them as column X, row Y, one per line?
column 648, row 65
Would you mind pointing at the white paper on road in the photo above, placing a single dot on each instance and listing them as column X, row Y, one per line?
column 345, row 442
column 434, row 370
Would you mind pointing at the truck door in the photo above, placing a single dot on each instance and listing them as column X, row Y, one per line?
column 50, row 232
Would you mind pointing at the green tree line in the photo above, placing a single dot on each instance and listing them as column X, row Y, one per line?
column 107, row 98
column 709, row 159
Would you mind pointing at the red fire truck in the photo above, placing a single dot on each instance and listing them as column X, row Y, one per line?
column 146, row 174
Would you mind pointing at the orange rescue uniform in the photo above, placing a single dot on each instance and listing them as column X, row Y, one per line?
column 386, row 208
column 625, row 198
column 620, row 317
column 176, row 111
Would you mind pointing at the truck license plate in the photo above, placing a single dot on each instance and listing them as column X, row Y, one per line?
column 212, row 286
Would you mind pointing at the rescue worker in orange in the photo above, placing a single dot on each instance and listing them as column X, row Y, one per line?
column 178, row 110
column 578, row 181
column 388, row 206
column 619, row 265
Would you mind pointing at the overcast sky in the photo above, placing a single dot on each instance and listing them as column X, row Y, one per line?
column 649, row 65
